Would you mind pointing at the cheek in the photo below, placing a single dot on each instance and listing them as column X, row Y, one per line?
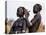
column 36, row 9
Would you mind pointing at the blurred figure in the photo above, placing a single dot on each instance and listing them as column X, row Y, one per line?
column 21, row 23
column 37, row 18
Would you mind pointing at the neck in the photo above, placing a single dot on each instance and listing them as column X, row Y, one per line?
column 38, row 13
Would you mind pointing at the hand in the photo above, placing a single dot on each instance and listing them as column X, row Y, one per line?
column 26, row 14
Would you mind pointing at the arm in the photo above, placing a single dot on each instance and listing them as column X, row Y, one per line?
column 34, row 19
column 28, row 23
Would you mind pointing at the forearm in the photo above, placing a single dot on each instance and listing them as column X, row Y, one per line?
column 34, row 20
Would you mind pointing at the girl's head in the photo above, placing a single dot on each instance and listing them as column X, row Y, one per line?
column 20, row 11
column 37, row 8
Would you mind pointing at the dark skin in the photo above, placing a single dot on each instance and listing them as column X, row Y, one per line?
column 26, row 13
column 37, row 18
column 20, row 13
